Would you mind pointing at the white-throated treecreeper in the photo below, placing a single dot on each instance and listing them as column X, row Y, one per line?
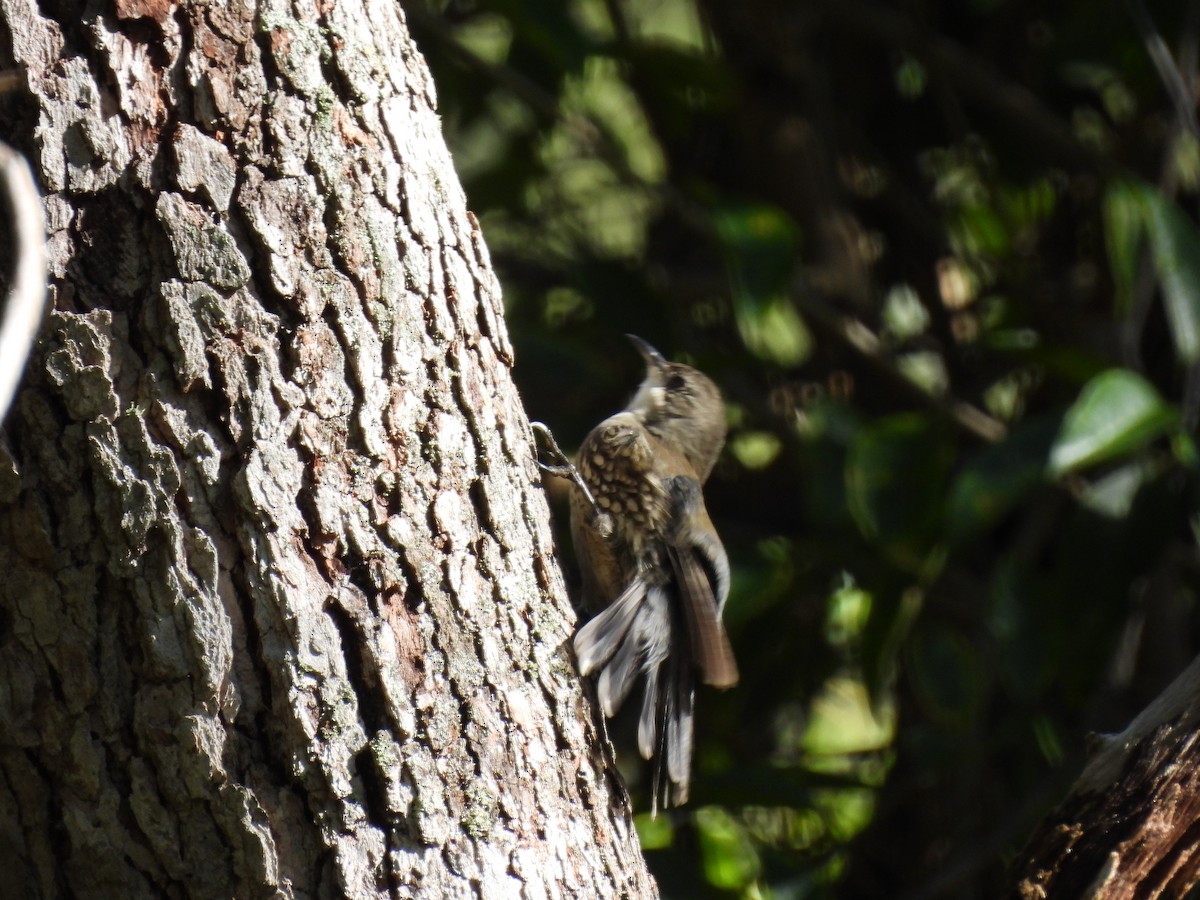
column 651, row 562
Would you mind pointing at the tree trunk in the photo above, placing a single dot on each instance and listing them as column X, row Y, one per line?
column 280, row 614
column 1131, row 825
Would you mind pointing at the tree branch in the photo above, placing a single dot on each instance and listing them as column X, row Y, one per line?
column 1131, row 824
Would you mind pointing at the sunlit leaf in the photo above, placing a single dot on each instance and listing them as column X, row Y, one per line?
column 1133, row 209
column 1176, row 245
column 760, row 244
column 1113, row 495
column 844, row 720
column 654, row 832
column 904, row 316
column 771, row 329
column 926, row 369
column 847, row 612
column 1117, row 412
column 755, row 449
column 730, row 859
column 847, row 813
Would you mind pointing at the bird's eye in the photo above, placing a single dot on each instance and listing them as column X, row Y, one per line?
column 676, row 383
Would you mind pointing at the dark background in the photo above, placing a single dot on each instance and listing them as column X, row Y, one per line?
column 942, row 259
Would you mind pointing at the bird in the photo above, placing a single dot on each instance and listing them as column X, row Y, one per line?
column 652, row 563
column 682, row 407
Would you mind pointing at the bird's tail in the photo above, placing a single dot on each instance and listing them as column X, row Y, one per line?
column 672, row 633
column 665, row 728
column 642, row 632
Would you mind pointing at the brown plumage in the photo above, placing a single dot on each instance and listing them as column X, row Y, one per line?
column 652, row 561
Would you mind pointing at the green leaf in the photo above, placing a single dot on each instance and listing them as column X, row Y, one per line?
column 896, row 474
column 755, row 449
column 1176, row 244
column 893, row 614
column 1124, row 224
column 654, row 833
column 946, row 675
column 760, row 244
column 730, row 858
column 772, row 329
column 1113, row 495
column 999, row 478
column 1117, row 413
column 760, row 241
column 1133, row 209
column 843, row 720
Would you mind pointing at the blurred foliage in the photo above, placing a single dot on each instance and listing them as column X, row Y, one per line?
column 943, row 258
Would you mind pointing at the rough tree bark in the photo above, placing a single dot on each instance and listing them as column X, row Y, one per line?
column 280, row 613
column 1131, row 825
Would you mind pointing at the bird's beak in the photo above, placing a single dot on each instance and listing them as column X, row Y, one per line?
column 654, row 359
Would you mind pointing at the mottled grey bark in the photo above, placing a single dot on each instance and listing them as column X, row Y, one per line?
column 279, row 612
